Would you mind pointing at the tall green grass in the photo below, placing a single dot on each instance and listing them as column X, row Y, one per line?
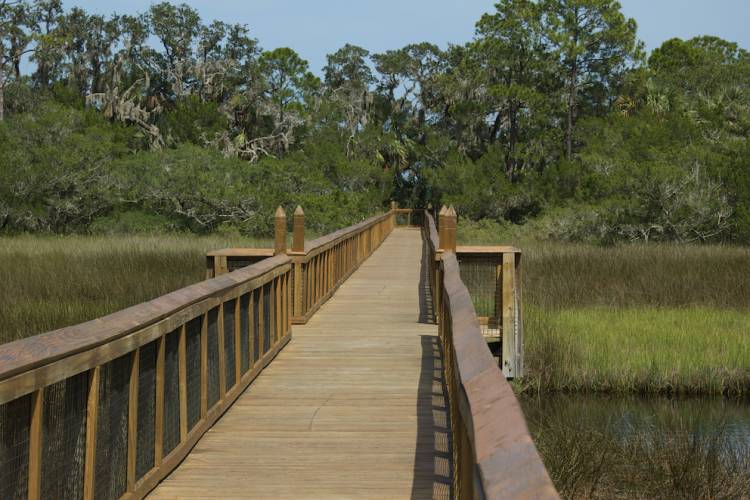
column 638, row 350
column 48, row 282
column 634, row 318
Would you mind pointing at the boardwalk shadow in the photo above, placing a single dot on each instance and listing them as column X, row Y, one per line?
column 426, row 309
column 432, row 457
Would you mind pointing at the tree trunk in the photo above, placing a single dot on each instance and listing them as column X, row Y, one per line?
column 512, row 139
column 572, row 91
column 571, row 109
column 2, row 93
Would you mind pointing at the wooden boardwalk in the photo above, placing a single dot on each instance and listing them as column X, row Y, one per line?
column 353, row 407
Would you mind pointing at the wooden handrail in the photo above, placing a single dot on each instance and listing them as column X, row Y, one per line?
column 494, row 455
column 145, row 383
column 41, row 350
column 329, row 260
column 160, row 373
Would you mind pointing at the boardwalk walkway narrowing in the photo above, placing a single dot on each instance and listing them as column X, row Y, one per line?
column 354, row 406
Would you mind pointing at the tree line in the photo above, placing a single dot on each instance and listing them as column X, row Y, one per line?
column 552, row 119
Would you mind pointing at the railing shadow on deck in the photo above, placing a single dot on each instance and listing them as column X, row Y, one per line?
column 433, row 457
column 493, row 454
column 426, row 304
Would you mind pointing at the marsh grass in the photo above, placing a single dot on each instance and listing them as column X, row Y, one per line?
column 48, row 282
column 634, row 318
column 610, row 448
column 638, row 350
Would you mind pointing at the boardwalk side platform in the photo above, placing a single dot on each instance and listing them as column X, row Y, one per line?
column 354, row 406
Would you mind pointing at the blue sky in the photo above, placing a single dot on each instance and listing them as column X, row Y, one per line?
column 315, row 28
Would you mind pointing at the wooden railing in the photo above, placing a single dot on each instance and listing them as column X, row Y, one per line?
column 108, row 408
column 320, row 265
column 493, row 453
column 325, row 263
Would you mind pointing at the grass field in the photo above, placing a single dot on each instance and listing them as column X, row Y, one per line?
column 634, row 318
column 47, row 282
column 638, row 350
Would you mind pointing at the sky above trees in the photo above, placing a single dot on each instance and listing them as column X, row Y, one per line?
column 315, row 29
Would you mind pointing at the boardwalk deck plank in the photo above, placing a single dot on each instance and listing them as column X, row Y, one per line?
column 353, row 407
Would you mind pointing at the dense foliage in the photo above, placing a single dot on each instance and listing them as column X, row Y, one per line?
column 551, row 117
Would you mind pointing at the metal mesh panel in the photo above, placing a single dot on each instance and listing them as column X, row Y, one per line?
column 479, row 274
column 171, row 392
column 417, row 218
column 213, row 356
column 303, row 288
column 256, row 325
column 146, row 410
column 14, row 448
column 234, row 263
column 313, row 280
column 64, row 437
column 229, row 347
column 402, row 218
column 244, row 333
column 112, row 429
column 266, row 318
column 193, row 371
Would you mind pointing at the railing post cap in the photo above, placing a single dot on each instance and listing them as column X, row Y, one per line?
column 451, row 212
column 280, row 213
column 443, row 210
column 298, row 212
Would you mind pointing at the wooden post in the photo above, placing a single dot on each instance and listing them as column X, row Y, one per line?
column 394, row 205
column 279, row 222
column 509, row 316
column 441, row 227
column 298, row 249
column 298, row 230
column 519, row 317
column 447, row 231
column 221, row 265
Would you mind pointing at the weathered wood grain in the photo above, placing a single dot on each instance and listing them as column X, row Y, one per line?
column 353, row 407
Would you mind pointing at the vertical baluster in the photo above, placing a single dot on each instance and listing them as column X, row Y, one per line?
column 182, row 382
column 159, row 417
column 261, row 325
column 251, row 328
column 276, row 309
column 133, row 418
column 238, row 340
column 204, row 365
column 35, row 445
column 289, row 299
column 222, row 353
column 92, row 418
